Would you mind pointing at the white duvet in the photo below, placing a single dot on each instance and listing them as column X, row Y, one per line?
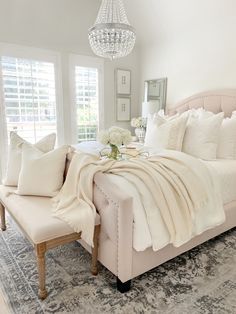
column 225, row 170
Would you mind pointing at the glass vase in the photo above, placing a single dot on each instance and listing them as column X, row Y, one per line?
column 114, row 153
column 140, row 134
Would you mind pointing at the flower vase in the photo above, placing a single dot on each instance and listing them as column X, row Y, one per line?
column 140, row 134
column 114, row 154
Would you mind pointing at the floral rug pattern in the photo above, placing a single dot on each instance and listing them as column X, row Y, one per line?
column 202, row 281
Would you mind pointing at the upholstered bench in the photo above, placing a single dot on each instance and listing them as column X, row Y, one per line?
column 33, row 215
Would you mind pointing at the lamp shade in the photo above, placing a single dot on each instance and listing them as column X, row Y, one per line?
column 149, row 107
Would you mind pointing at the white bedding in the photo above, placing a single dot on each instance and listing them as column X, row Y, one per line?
column 224, row 168
column 226, row 171
column 175, row 190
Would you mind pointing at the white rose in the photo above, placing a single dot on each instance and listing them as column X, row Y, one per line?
column 115, row 129
column 103, row 137
column 127, row 138
column 115, row 138
column 134, row 122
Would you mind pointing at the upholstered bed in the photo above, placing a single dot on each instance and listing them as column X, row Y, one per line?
column 115, row 207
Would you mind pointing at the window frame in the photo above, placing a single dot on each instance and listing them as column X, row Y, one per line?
column 90, row 62
column 41, row 55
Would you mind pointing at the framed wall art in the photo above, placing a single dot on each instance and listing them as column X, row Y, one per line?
column 123, row 82
column 123, row 109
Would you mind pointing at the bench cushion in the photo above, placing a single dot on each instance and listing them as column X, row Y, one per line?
column 34, row 215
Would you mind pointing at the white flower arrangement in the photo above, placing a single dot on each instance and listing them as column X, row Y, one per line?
column 115, row 136
column 139, row 122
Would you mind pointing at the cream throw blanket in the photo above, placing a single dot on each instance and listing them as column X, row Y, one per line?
column 181, row 187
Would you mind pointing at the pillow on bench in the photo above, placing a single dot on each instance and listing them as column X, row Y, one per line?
column 41, row 173
column 45, row 145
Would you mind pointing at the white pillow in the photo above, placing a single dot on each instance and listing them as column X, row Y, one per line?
column 14, row 155
column 202, row 135
column 200, row 113
column 227, row 141
column 164, row 132
column 234, row 114
column 41, row 173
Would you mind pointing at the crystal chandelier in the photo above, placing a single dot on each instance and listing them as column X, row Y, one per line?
column 112, row 36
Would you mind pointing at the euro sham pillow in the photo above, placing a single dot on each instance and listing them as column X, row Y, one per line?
column 165, row 132
column 227, row 141
column 202, row 136
column 41, row 173
column 46, row 144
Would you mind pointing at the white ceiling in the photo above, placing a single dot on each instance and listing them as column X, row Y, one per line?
column 67, row 21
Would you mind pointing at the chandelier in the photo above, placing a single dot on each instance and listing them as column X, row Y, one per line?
column 112, row 36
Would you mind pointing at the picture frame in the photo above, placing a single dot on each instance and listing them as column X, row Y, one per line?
column 123, row 82
column 123, row 112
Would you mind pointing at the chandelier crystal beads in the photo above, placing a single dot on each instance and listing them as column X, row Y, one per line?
column 112, row 36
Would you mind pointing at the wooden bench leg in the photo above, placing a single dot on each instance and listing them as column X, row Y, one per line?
column 2, row 217
column 40, row 252
column 94, row 266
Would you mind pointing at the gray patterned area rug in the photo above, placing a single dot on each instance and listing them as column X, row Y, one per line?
column 200, row 281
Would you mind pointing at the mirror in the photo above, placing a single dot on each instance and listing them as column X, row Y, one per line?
column 155, row 93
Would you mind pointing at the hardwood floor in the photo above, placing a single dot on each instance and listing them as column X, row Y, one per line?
column 3, row 305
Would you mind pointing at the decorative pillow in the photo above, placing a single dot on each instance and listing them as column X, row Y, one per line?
column 41, row 173
column 14, row 155
column 199, row 113
column 201, row 136
column 227, row 141
column 166, row 133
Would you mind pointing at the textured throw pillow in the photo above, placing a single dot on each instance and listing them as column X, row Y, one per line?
column 202, row 135
column 41, row 173
column 14, row 155
column 165, row 133
column 227, row 141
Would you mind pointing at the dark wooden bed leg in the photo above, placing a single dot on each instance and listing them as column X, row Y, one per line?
column 40, row 252
column 2, row 217
column 123, row 286
column 94, row 265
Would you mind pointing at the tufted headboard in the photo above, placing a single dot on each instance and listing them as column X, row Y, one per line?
column 215, row 101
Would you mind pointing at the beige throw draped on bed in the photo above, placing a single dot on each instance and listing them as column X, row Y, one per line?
column 180, row 186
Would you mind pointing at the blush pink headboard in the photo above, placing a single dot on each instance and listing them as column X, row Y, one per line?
column 215, row 101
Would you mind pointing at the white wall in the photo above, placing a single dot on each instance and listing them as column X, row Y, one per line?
column 191, row 42
column 62, row 25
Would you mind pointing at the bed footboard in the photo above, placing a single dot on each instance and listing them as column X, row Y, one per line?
column 116, row 212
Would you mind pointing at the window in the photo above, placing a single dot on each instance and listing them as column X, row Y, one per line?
column 86, row 82
column 29, row 97
column 87, row 92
